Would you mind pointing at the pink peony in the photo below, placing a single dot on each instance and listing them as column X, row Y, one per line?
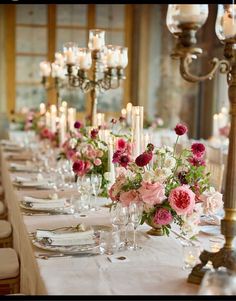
column 181, row 129
column 152, row 193
column 163, row 217
column 198, row 149
column 121, row 144
column 182, row 199
column 143, row 159
column 97, row 162
column 130, row 196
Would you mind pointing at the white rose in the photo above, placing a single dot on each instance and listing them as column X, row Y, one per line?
column 170, row 162
column 211, row 201
column 148, row 176
column 162, row 174
column 73, row 142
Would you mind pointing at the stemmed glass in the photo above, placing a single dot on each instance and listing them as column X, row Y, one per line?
column 84, row 187
column 135, row 216
column 96, row 182
column 120, row 218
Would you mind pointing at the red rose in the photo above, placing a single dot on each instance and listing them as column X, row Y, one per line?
column 198, row 149
column 181, row 129
column 77, row 125
column 94, row 133
column 143, row 159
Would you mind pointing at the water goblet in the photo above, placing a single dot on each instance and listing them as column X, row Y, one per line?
column 120, row 218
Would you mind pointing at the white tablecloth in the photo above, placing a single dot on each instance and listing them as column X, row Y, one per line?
column 154, row 270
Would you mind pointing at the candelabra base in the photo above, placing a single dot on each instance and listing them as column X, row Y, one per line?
column 223, row 258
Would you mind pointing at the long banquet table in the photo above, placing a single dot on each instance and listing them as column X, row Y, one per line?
column 154, row 270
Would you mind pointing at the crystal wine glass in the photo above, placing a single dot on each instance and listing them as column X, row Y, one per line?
column 96, row 181
column 135, row 216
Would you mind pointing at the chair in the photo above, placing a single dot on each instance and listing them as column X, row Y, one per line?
column 216, row 174
column 9, row 271
column 5, row 234
column 3, row 212
column 214, row 154
column 1, row 193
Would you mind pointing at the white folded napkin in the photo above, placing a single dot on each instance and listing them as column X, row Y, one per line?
column 29, row 182
column 21, row 167
column 45, row 204
column 67, row 239
column 9, row 143
column 210, row 220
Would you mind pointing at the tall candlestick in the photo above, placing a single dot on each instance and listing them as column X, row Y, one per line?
column 100, row 119
column 145, row 141
column 129, row 112
column 111, row 166
column 53, row 118
column 42, row 108
column 48, row 120
column 215, row 125
column 123, row 113
column 136, row 148
column 104, row 135
column 62, row 129
column 71, row 118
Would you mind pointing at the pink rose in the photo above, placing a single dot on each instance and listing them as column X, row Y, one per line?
column 97, row 162
column 114, row 191
column 70, row 153
column 100, row 153
column 152, row 193
column 182, row 199
column 130, row 196
column 163, row 217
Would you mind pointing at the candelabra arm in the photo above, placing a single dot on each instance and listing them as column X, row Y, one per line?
column 185, row 62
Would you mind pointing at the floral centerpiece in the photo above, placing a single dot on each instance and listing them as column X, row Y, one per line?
column 173, row 188
column 88, row 154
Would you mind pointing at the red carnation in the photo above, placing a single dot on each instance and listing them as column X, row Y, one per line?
column 198, row 149
column 195, row 161
column 116, row 156
column 143, row 159
column 181, row 129
column 124, row 160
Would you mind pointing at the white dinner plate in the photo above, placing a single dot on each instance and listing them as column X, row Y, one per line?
column 210, row 230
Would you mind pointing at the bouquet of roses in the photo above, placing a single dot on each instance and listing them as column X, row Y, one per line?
column 89, row 154
column 171, row 188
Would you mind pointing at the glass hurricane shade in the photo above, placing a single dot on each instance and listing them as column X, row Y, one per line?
column 226, row 22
